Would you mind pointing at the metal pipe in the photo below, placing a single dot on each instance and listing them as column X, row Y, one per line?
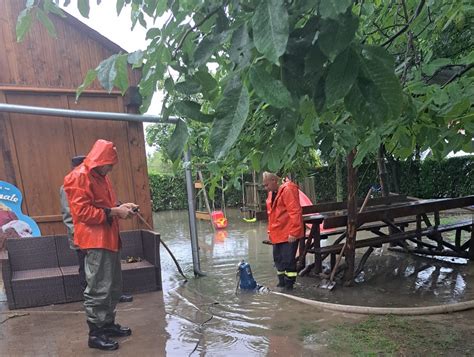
column 85, row 114
column 192, row 214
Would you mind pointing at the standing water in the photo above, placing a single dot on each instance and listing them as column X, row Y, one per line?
column 206, row 316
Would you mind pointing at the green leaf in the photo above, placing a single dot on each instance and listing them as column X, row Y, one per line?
column 161, row 7
column 23, row 24
column 207, row 47
column 366, row 104
column 90, row 77
column 240, row 45
column 40, row 14
column 367, row 147
column 332, row 8
column 270, row 28
column 135, row 58
column 188, row 87
column 304, row 140
column 106, row 72
column 319, row 96
column 50, row 7
column 192, row 110
column 336, row 35
column 119, row 6
column 256, row 159
column 273, row 161
column 84, row 8
column 178, row 140
column 314, row 61
column 341, row 76
column 231, row 114
column 379, row 67
column 207, row 83
column 121, row 79
column 271, row 90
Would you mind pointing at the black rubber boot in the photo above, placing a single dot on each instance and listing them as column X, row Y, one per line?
column 281, row 281
column 115, row 330
column 98, row 339
column 289, row 282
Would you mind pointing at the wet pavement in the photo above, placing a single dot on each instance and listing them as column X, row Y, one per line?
column 205, row 317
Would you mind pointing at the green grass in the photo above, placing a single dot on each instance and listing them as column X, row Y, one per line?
column 306, row 330
column 391, row 335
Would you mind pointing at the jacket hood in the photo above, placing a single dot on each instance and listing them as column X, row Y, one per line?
column 102, row 153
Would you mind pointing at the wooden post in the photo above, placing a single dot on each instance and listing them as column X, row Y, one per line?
column 351, row 217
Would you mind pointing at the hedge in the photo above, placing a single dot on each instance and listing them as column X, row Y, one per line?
column 452, row 177
column 169, row 193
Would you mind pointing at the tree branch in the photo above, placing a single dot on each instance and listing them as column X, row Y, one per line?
column 457, row 75
column 181, row 42
column 404, row 28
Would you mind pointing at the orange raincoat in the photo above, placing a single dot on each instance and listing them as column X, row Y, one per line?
column 284, row 215
column 88, row 194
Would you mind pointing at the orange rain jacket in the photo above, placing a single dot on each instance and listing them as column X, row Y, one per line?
column 285, row 215
column 88, row 194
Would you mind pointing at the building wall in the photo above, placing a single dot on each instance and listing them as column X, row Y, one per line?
column 35, row 151
column 43, row 61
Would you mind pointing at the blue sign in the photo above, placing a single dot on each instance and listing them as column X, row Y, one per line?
column 13, row 223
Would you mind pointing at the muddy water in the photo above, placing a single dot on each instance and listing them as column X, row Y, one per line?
column 208, row 313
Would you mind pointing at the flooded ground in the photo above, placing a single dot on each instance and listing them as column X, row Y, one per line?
column 261, row 324
column 206, row 317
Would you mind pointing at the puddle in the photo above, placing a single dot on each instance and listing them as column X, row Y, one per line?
column 264, row 324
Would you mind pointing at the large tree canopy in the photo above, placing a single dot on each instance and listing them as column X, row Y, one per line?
column 267, row 80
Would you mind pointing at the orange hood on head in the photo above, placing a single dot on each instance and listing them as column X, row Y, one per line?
column 102, row 153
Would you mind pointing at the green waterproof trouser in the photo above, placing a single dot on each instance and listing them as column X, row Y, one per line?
column 104, row 285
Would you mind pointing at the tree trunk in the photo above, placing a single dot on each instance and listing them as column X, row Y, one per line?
column 383, row 177
column 351, row 217
column 339, row 192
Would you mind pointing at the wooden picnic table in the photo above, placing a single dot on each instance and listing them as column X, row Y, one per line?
column 396, row 213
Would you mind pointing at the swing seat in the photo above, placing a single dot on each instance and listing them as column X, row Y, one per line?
column 218, row 219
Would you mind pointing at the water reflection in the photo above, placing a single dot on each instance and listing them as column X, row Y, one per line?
column 249, row 324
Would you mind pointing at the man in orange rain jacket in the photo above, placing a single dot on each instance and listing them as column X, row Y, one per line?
column 95, row 215
column 285, row 226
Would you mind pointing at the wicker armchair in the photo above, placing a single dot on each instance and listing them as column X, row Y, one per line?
column 143, row 275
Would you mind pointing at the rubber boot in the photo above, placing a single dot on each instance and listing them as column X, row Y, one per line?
column 289, row 282
column 98, row 339
column 115, row 330
column 281, row 281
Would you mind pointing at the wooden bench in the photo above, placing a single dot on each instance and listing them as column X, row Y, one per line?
column 375, row 217
column 430, row 232
column 44, row 270
column 401, row 224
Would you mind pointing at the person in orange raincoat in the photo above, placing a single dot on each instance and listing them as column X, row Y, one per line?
column 285, row 226
column 95, row 214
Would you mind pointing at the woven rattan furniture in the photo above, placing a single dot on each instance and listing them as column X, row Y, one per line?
column 43, row 271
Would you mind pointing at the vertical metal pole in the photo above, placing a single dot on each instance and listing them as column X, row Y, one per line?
column 192, row 214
